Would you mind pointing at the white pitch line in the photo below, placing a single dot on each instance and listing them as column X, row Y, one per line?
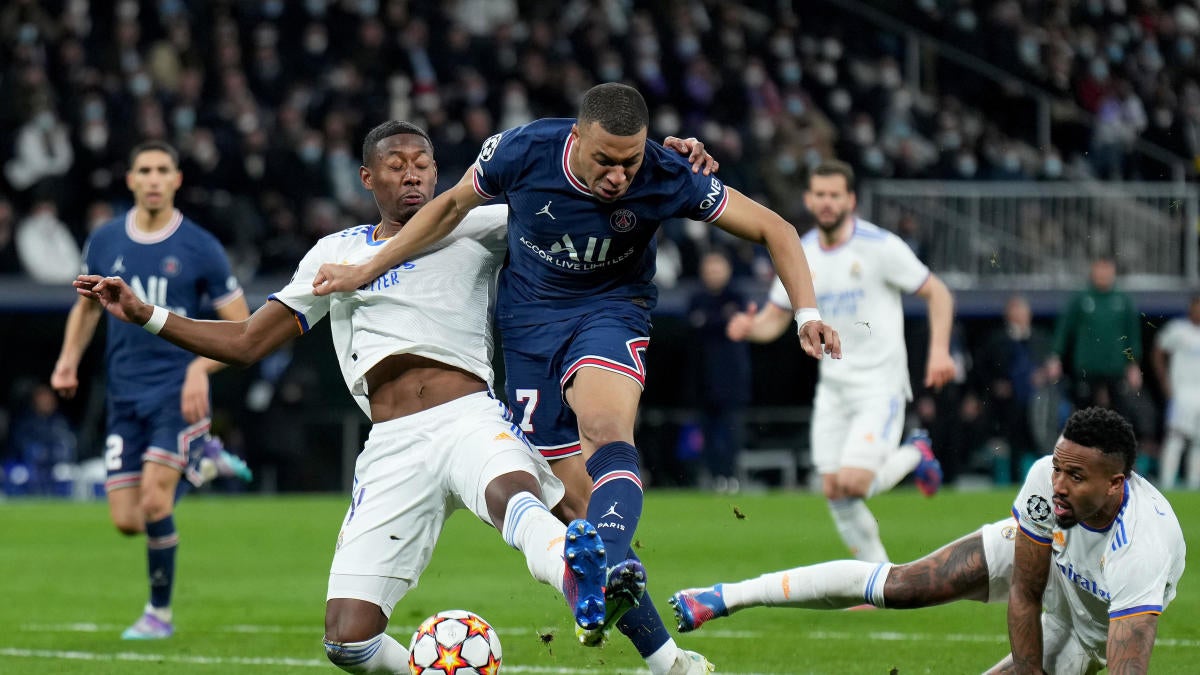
column 888, row 636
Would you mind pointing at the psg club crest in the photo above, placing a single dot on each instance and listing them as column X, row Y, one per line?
column 1038, row 508
column 622, row 220
column 170, row 266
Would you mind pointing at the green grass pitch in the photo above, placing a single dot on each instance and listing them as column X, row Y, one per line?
column 252, row 573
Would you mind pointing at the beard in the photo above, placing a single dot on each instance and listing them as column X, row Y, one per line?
column 830, row 226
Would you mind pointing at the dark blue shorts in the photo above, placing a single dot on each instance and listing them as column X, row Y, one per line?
column 539, row 362
column 138, row 433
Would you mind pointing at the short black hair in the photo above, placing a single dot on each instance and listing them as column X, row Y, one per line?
column 619, row 108
column 387, row 130
column 1104, row 430
column 154, row 145
column 834, row 167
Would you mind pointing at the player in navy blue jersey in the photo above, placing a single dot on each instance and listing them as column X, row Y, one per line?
column 585, row 198
column 158, row 404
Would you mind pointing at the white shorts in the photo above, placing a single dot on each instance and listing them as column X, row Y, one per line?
column 413, row 473
column 855, row 428
column 1183, row 416
column 1063, row 651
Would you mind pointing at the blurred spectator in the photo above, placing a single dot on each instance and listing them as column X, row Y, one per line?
column 1098, row 343
column 723, row 369
column 43, row 439
column 46, row 247
column 42, row 155
column 1177, row 364
column 1008, row 373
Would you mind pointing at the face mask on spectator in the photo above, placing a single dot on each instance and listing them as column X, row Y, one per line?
column 1052, row 167
column 184, row 119
column 687, row 47
column 782, row 46
column 786, row 164
column 315, row 42
column 831, row 49
column 966, row 165
column 1163, row 118
column 1011, row 162
column 826, row 73
column 889, row 77
column 790, row 72
column 1116, row 53
column 93, row 110
column 272, row 9
column 796, row 106
column 44, row 120
column 611, row 71
column 863, row 133
column 315, row 7
column 1186, row 48
column 139, row 85
column 966, row 20
column 950, row 140
column 762, row 128
column 839, row 101
column 873, row 159
column 1031, row 51
column 310, row 153
column 95, row 135
column 1099, row 69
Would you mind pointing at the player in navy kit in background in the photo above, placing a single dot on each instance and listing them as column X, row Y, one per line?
column 158, row 406
column 585, row 199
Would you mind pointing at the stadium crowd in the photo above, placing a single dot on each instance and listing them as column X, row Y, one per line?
column 268, row 101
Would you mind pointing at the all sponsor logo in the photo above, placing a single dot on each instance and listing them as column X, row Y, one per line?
column 1037, row 508
column 489, row 148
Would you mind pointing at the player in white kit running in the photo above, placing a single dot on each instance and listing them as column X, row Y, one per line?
column 860, row 273
column 1093, row 558
column 1178, row 344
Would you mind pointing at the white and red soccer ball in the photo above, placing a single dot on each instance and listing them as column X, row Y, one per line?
column 455, row 642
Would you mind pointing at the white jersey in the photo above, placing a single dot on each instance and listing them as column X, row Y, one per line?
column 1181, row 339
column 437, row 305
column 1130, row 567
column 859, row 286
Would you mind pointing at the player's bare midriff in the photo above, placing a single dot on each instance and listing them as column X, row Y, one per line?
column 403, row 384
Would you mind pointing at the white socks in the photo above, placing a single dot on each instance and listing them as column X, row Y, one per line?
column 380, row 654
column 858, row 529
column 899, row 464
column 831, row 585
column 530, row 528
column 663, row 658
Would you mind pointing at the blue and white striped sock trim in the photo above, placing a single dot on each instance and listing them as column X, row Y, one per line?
column 347, row 654
column 873, row 594
column 520, row 506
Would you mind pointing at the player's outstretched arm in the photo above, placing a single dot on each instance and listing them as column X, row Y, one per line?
column 81, row 327
column 1031, row 565
column 1130, row 641
column 434, row 221
column 939, row 367
column 746, row 218
column 236, row 342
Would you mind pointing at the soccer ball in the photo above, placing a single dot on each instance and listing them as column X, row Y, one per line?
column 455, row 642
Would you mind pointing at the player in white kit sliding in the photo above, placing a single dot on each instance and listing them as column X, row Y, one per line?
column 418, row 362
column 1091, row 560
column 1176, row 361
column 860, row 273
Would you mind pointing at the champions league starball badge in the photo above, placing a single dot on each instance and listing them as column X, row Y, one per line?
column 1038, row 508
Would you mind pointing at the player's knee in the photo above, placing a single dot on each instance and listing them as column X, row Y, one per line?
column 155, row 505
column 601, row 430
column 854, row 490
column 571, row 507
column 129, row 525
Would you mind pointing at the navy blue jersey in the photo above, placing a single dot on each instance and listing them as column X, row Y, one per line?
column 567, row 249
column 183, row 268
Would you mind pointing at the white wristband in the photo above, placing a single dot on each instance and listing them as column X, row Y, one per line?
column 157, row 319
column 805, row 315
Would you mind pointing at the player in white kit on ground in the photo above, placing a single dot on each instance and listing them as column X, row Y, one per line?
column 1093, row 558
column 1176, row 361
column 860, row 273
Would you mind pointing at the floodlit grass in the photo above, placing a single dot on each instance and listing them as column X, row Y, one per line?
column 252, row 573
